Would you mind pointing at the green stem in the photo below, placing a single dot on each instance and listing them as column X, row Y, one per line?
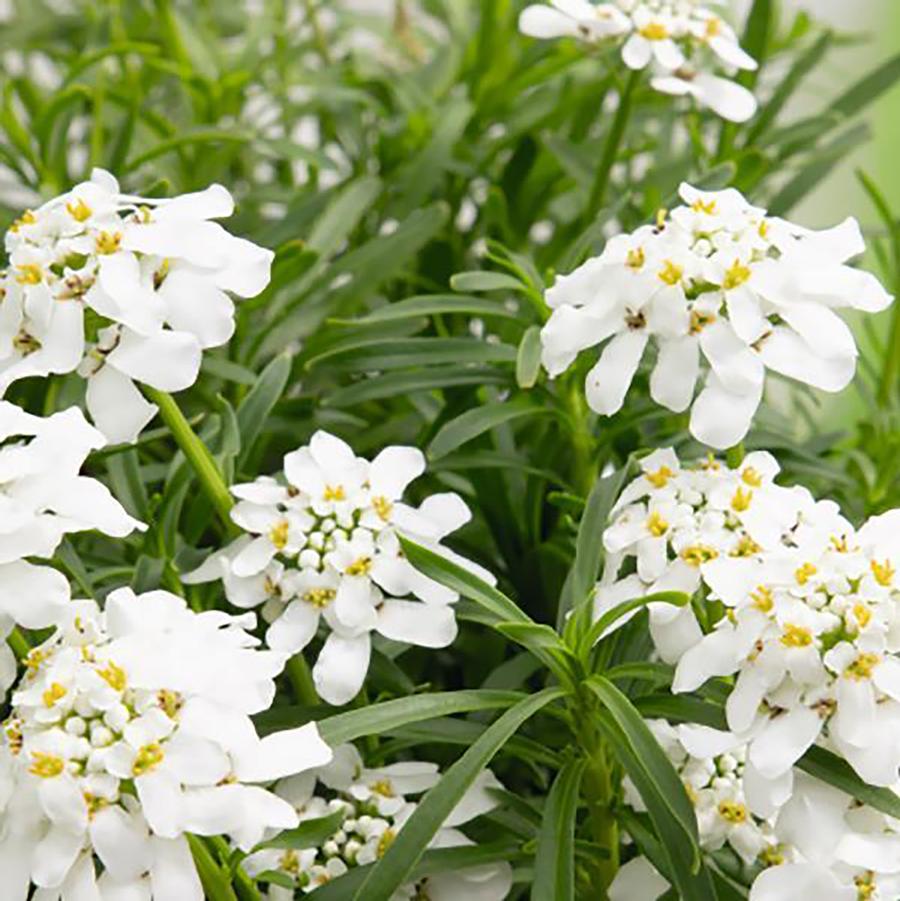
column 735, row 455
column 319, row 35
column 891, row 372
column 611, row 148
column 301, row 679
column 20, row 645
column 584, row 464
column 197, row 453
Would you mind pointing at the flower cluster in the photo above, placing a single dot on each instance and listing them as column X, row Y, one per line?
column 122, row 289
column 717, row 280
column 372, row 806
column 682, row 41
column 131, row 728
column 43, row 497
column 324, row 545
column 802, row 837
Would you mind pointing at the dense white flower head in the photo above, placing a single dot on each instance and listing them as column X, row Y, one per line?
column 130, row 728
column 323, row 547
column 124, row 289
column 372, row 806
column 721, row 288
column 683, row 43
column 43, row 497
column 799, row 836
column 676, row 523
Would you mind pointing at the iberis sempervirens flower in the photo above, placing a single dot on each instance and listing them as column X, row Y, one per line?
column 682, row 41
column 798, row 836
column 44, row 497
column 124, row 289
column 129, row 730
column 370, row 807
column 322, row 547
column 721, row 288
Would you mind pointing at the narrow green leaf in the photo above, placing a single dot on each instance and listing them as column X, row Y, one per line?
column 611, row 617
column 378, row 718
column 343, row 215
column 856, row 98
column 260, row 401
column 309, row 834
column 682, row 709
column 432, row 305
column 402, row 856
column 475, row 422
column 216, row 883
column 554, row 863
column 528, row 361
column 485, row 281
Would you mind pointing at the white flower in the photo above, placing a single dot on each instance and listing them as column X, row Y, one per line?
column 325, row 547
column 43, row 497
column 719, row 282
column 375, row 805
column 683, row 44
column 156, row 276
column 130, row 728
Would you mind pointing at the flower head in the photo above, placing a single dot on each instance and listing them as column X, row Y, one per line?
column 323, row 547
column 130, row 728
column 124, row 289
column 717, row 286
column 683, row 43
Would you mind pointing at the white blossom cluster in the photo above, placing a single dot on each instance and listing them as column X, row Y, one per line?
column 44, row 497
column 682, row 41
column 130, row 729
column 374, row 805
column 717, row 285
column 323, row 545
column 122, row 289
column 810, row 839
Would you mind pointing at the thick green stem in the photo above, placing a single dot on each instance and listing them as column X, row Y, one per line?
column 584, row 464
column 891, row 372
column 197, row 453
column 304, row 688
column 604, row 827
column 611, row 148
column 19, row 644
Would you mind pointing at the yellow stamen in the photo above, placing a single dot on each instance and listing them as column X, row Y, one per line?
column 713, row 27
column 670, row 273
column 46, row 766
column 733, row 812
column 804, row 573
column 27, row 218
column 884, row 573
column 108, row 242
column 278, row 534
column 751, row 477
column 654, row 31
column 740, row 503
column 636, row 258
column 359, row 567
column 746, row 547
column 30, row 274
column 698, row 554
column 170, row 702
column 773, row 856
column 736, row 276
column 114, row 676
column 386, row 840
column 319, row 597
column 79, row 210
column 54, row 693
column 334, row 493
column 866, row 886
column 656, row 525
column 762, row 598
column 148, row 759
column 290, row 862
column 701, row 319
column 862, row 667
column 382, row 507
column 94, row 804
column 660, row 478
column 796, row 636
column 661, row 217
column 384, row 788
column 862, row 613
column 763, row 229
column 704, row 206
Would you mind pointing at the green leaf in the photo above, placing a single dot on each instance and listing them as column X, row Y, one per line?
column 528, row 361
column 215, row 880
column 405, row 353
column 485, row 281
column 832, row 769
column 309, row 834
column 260, row 401
column 343, row 214
column 475, row 422
column 756, row 38
column 659, row 786
column 554, row 863
column 401, row 384
column 682, row 709
column 856, row 98
column 432, row 305
column 378, row 718
column 402, row 856
column 608, row 619
column 537, row 635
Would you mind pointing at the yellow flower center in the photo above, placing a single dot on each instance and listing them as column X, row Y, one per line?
column 108, row 242
column 746, row 547
column 278, row 534
column 319, row 597
column 740, row 503
column 654, row 31
column 840, row 544
column 773, row 856
column 386, row 840
column 762, row 598
column 46, row 766
column 884, row 573
column 736, row 276
column 382, row 507
column 670, row 273
column 701, row 319
column 113, row 676
column 704, row 206
column 384, row 788
column 30, row 274
column 865, row 886
column 359, row 567
column 733, row 812
column 170, row 702
column 862, row 613
column 94, row 804
column 804, row 573
column 290, row 862
column 660, row 478
column 334, row 493
column 27, row 218
column 79, row 210
column 656, row 525
column 763, row 229
column 148, row 759
column 698, row 554
column 796, row 636
column 713, row 27
column 751, row 477
column 636, row 258
column 54, row 693
column 862, row 667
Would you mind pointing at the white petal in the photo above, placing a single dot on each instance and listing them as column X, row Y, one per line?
column 194, row 304
column 675, row 374
column 730, row 100
column 168, row 360
column 117, row 406
column 799, row 880
column 637, row 52
column 608, row 382
column 54, row 857
column 341, row 668
column 637, row 880
column 786, row 352
column 425, row 625
column 393, row 469
column 283, row 754
column 173, row 875
column 721, row 419
column 121, row 842
column 161, row 800
column 784, row 741
column 539, row 21
column 294, row 629
column 33, row 596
